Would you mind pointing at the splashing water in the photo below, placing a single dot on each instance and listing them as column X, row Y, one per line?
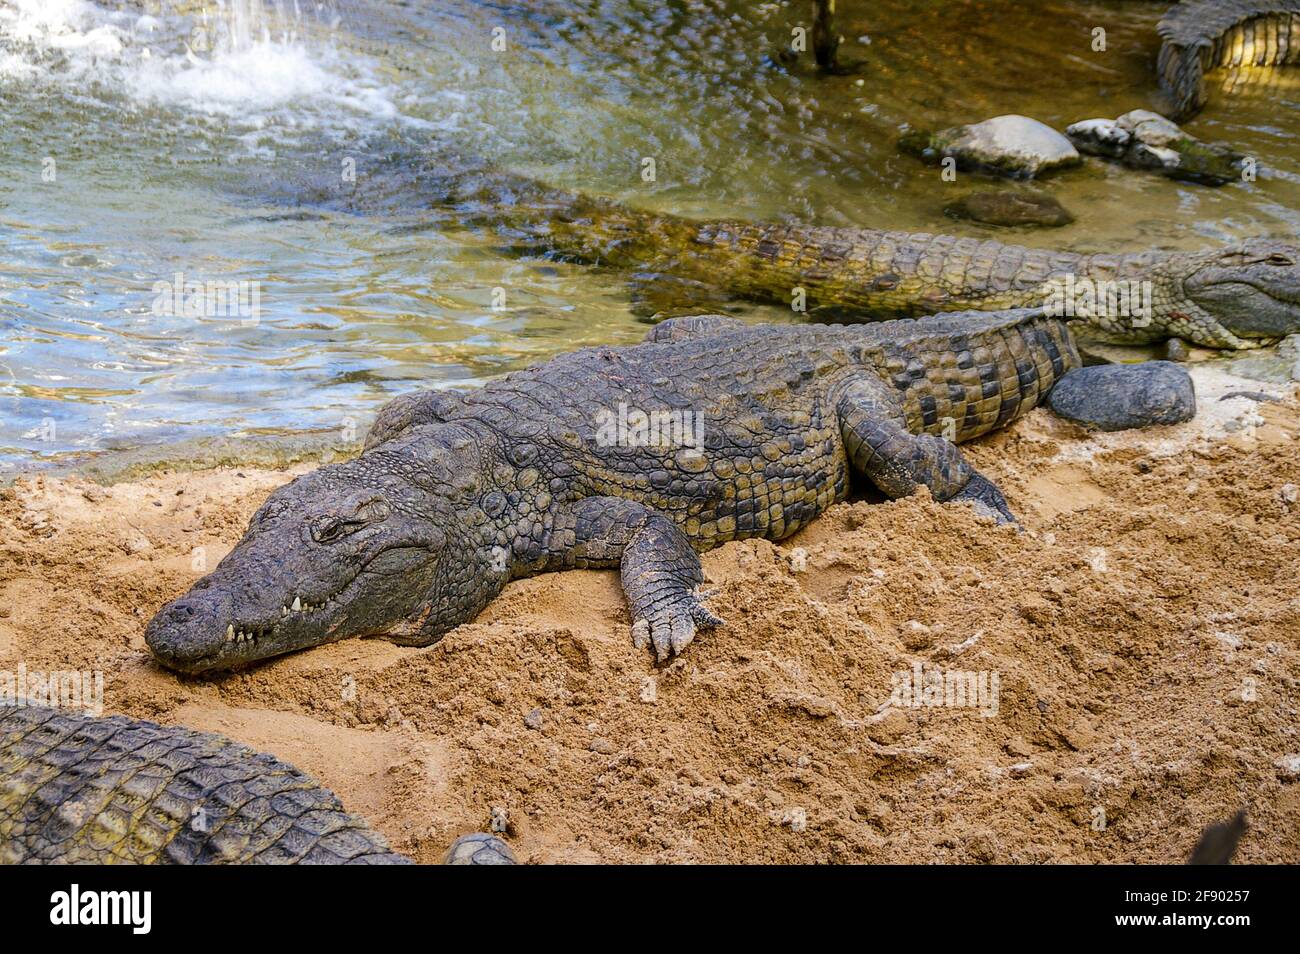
column 242, row 59
column 279, row 147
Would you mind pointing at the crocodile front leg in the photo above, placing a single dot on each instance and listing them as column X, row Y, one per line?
column 898, row 461
column 661, row 573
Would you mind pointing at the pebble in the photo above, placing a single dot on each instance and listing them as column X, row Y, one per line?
column 797, row 819
column 1290, row 766
column 1176, row 350
column 1230, row 640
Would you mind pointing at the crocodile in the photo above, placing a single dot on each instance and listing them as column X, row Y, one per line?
column 76, row 789
column 1201, row 35
column 1238, row 296
column 633, row 458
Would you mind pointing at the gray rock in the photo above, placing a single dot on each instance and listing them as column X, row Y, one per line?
column 1176, row 350
column 1010, row 208
column 1151, row 128
column 1115, row 397
column 1100, row 137
column 1146, row 140
column 1006, row 145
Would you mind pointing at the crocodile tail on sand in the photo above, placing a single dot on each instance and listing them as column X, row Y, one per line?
column 75, row 789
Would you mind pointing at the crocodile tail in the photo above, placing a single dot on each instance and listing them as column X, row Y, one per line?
column 75, row 789
column 962, row 375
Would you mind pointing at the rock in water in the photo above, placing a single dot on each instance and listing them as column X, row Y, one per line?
column 1100, row 137
column 1005, row 145
column 1010, row 208
column 1146, row 140
column 479, row 848
column 1115, row 397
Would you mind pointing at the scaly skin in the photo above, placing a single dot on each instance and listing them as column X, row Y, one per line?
column 1239, row 296
column 458, row 493
column 1202, row 35
column 104, row 791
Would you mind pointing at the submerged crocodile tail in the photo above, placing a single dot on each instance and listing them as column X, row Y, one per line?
column 1202, row 35
column 855, row 274
column 964, row 375
column 74, row 789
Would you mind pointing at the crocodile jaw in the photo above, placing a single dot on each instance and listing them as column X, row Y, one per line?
column 340, row 552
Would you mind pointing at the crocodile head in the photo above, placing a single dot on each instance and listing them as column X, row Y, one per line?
column 374, row 546
column 1251, row 289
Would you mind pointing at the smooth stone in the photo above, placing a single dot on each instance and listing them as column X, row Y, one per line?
column 1010, row 208
column 1176, row 350
column 1115, row 397
column 1006, row 145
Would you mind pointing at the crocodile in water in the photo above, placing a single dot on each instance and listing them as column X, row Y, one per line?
column 1202, row 35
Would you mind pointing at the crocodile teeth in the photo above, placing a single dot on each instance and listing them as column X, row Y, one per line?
column 230, row 633
column 297, row 605
column 284, row 611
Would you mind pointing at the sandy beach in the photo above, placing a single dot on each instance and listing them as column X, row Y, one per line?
column 1143, row 633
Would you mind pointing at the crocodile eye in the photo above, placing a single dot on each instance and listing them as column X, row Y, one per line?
column 329, row 530
column 1280, row 260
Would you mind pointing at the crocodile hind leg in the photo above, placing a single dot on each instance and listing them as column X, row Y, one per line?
column 898, row 461
column 661, row 573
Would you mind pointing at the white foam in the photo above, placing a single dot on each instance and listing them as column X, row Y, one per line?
column 239, row 71
column 259, row 79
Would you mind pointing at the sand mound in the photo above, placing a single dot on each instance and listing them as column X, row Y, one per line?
column 1144, row 633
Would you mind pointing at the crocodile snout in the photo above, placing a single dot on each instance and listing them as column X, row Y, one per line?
column 188, row 631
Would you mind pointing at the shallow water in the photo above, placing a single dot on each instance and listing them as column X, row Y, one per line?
column 130, row 157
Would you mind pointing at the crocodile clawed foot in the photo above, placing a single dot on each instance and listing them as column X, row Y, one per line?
column 672, row 628
column 987, row 500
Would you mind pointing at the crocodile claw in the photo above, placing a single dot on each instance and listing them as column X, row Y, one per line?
column 987, row 500
column 672, row 628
